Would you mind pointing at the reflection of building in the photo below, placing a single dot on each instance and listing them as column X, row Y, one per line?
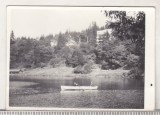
column 103, row 34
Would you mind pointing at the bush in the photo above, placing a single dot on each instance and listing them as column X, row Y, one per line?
column 105, row 66
column 132, row 61
column 110, row 64
column 78, row 69
column 87, row 68
column 28, row 65
column 42, row 65
column 135, row 72
column 56, row 62
column 77, row 59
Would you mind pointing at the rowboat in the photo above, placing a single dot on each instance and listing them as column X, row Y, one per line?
column 79, row 87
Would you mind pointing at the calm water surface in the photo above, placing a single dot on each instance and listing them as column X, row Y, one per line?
column 112, row 93
column 108, row 83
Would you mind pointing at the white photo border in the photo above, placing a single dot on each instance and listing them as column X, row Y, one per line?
column 149, row 91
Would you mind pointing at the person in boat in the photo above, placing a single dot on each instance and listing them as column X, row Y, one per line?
column 76, row 84
column 91, row 84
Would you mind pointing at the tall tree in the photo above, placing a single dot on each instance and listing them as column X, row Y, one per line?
column 12, row 37
column 127, row 27
column 61, row 41
column 92, row 34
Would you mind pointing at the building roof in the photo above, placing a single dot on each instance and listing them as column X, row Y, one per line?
column 101, row 32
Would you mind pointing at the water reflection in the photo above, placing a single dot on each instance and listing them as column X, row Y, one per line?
column 108, row 83
column 111, row 93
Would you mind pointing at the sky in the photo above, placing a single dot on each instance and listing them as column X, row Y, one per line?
column 37, row 21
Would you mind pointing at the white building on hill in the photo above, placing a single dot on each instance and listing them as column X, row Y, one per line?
column 53, row 43
column 81, row 39
column 71, row 42
column 101, row 34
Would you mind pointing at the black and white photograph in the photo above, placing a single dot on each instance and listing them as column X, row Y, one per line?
column 76, row 57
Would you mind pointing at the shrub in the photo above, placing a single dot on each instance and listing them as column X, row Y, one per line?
column 110, row 64
column 78, row 69
column 132, row 61
column 56, row 62
column 135, row 72
column 105, row 66
column 87, row 68
column 42, row 65
column 77, row 59
column 28, row 65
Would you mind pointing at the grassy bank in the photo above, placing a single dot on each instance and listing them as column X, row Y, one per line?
column 59, row 72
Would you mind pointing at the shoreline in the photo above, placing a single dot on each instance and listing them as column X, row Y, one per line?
column 67, row 72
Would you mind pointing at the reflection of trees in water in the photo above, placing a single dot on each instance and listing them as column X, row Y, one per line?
column 82, row 81
column 111, row 83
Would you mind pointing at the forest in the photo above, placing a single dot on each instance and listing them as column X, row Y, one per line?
column 124, row 48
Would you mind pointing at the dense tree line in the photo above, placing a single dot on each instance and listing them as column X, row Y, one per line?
column 131, row 31
column 29, row 52
column 125, row 51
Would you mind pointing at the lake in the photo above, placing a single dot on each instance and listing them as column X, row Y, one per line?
column 113, row 92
